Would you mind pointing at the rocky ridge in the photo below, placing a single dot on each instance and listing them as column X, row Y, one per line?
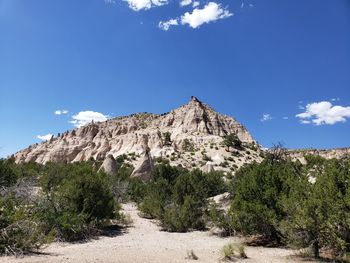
column 190, row 135
column 336, row 153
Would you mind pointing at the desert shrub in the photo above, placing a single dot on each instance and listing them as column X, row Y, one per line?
column 157, row 195
column 167, row 139
column 120, row 182
column 8, row 172
column 224, row 164
column 137, row 189
column 206, row 158
column 191, row 255
column 215, row 183
column 258, row 191
column 185, row 216
column 177, row 197
column 232, row 140
column 278, row 200
column 187, row 145
column 29, row 170
column 318, row 213
column 19, row 232
column 220, row 219
column 75, row 200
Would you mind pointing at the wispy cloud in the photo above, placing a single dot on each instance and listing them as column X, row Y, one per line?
column 61, row 112
column 185, row 2
column 266, row 117
column 285, row 118
column 321, row 113
column 195, row 4
column 138, row 5
column 45, row 137
column 113, row 2
column 167, row 24
column 84, row 117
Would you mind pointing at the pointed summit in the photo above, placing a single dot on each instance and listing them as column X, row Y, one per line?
column 195, row 99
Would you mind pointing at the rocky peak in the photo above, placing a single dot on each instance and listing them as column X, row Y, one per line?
column 194, row 127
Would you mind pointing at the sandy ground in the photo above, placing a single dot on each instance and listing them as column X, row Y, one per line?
column 144, row 242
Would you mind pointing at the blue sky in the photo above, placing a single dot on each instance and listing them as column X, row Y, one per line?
column 259, row 61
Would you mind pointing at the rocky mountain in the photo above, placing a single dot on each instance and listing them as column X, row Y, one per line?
column 190, row 135
column 337, row 153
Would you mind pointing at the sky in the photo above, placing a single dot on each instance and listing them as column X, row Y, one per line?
column 280, row 67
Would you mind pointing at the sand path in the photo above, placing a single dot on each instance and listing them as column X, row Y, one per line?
column 144, row 242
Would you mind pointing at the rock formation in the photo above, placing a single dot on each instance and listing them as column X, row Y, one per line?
column 144, row 167
column 209, row 167
column 325, row 153
column 109, row 165
column 187, row 135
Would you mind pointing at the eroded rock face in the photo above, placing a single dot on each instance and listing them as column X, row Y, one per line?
column 194, row 125
column 208, row 168
column 109, row 165
column 144, row 167
column 325, row 153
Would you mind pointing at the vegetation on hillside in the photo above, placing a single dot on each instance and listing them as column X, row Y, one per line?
column 280, row 201
column 73, row 202
column 177, row 197
column 289, row 203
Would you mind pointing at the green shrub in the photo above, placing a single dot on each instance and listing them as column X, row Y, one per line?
column 220, row 219
column 232, row 140
column 178, row 198
column 8, row 173
column 258, row 191
column 19, row 232
column 76, row 199
column 206, row 158
column 167, row 139
column 187, row 145
column 184, row 217
column 318, row 213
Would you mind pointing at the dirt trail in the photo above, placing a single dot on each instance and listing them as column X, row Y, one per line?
column 144, row 242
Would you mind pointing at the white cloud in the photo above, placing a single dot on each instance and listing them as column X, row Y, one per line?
column 167, row 24
column 45, row 137
column 60, row 112
column 335, row 99
column 185, row 2
column 266, row 117
column 324, row 112
column 113, row 2
column 84, row 117
column 195, row 4
column 138, row 5
column 285, row 118
column 209, row 13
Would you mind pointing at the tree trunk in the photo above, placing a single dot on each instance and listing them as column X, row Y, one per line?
column 316, row 249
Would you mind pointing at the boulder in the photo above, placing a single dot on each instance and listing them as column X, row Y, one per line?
column 208, row 167
column 109, row 165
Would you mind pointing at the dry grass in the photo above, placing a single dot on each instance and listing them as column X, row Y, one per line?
column 191, row 255
column 232, row 251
